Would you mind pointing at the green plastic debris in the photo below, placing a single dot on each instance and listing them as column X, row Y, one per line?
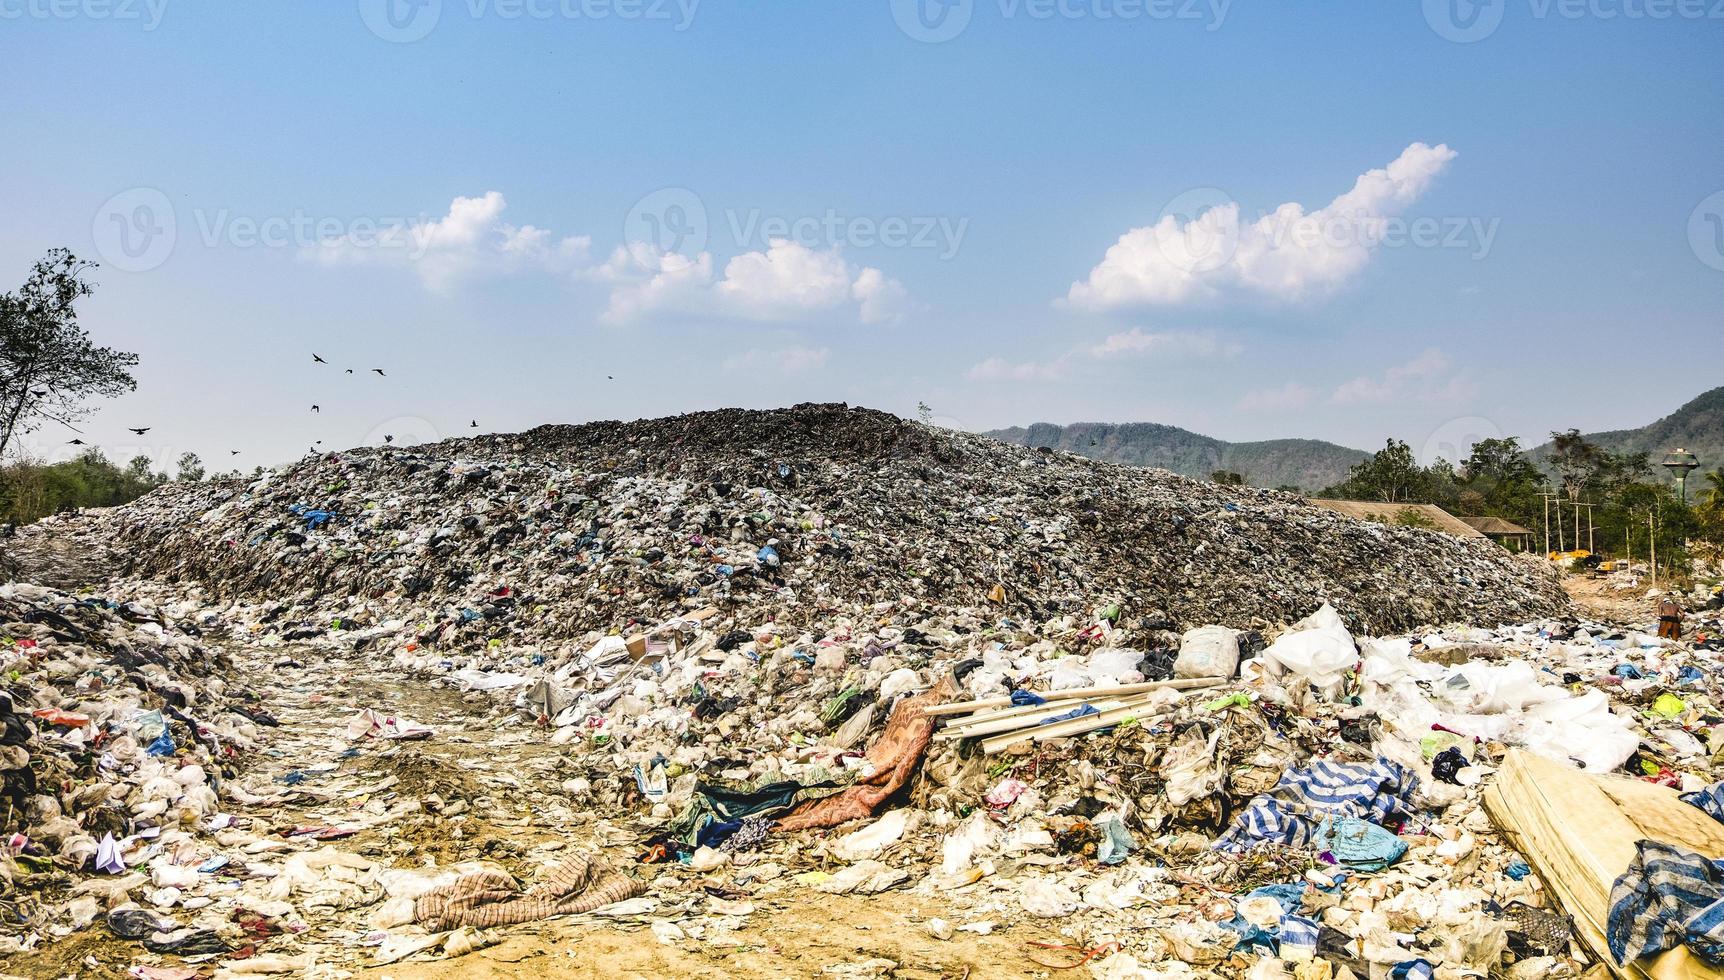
column 1669, row 706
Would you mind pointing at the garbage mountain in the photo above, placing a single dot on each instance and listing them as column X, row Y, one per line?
column 790, row 513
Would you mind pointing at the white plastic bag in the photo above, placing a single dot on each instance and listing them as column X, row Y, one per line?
column 1317, row 650
column 1112, row 665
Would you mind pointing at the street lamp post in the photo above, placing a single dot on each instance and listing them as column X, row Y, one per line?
column 1681, row 462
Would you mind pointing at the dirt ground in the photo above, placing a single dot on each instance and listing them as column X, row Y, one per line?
column 1602, row 601
column 883, row 935
column 486, row 787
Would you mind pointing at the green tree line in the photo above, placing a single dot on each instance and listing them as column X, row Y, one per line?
column 1629, row 508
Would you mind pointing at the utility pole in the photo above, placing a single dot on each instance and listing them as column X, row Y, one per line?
column 1548, row 496
column 1652, row 541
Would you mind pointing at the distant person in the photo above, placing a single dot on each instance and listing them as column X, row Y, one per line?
column 1670, row 619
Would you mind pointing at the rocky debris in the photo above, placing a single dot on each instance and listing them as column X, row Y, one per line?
column 791, row 515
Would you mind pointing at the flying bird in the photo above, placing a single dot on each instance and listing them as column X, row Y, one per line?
column 349, row 370
column 74, row 442
column 388, row 438
column 379, row 372
column 317, row 408
column 140, row 431
column 610, row 377
column 318, row 359
column 233, row 452
column 40, row 392
column 473, row 424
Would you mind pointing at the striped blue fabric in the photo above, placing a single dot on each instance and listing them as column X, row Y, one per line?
column 1667, row 897
column 1292, row 812
column 1413, row 970
column 1710, row 799
column 1297, row 934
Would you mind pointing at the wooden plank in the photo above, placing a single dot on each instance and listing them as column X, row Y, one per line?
column 1578, row 831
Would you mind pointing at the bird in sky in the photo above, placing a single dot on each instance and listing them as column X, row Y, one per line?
column 388, row 438
column 140, row 431
column 473, row 424
column 349, row 370
column 74, row 442
column 318, row 359
column 317, row 408
column 610, row 377
column 233, row 452
column 40, row 392
column 379, row 372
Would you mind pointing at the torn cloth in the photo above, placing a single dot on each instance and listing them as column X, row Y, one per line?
column 894, row 756
column 1710, row 799
column 1292, row 812
column 1667, row 896
column 491, row 898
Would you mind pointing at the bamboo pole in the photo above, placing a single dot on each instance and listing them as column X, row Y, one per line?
column 1064, row 729
column 1032, row 720
column 1177, row 684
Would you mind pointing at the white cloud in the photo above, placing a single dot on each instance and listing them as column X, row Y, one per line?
column 787, row 280
column 1287, row 254
column 1000, row 369
column 1287, row 397
column 471, row 240
column 787, row 361
column 881, row 300
column 1427, row 377
column 1174, row 342
column 1132, row 343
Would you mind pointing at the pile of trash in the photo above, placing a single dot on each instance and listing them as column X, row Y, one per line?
column 1143, row 726
column 791, row 513
column 118, row 727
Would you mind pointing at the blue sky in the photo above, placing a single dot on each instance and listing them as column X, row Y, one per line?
column 508, row 203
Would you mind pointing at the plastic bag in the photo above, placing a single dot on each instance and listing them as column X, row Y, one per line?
column 1318, row 650
column 1112, row 665
column 1208, row 651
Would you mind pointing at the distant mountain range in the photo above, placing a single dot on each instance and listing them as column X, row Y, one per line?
column 1697, row 427
column 1309, row 464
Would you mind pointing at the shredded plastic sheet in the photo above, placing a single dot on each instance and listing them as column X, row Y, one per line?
column 1507, row 702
